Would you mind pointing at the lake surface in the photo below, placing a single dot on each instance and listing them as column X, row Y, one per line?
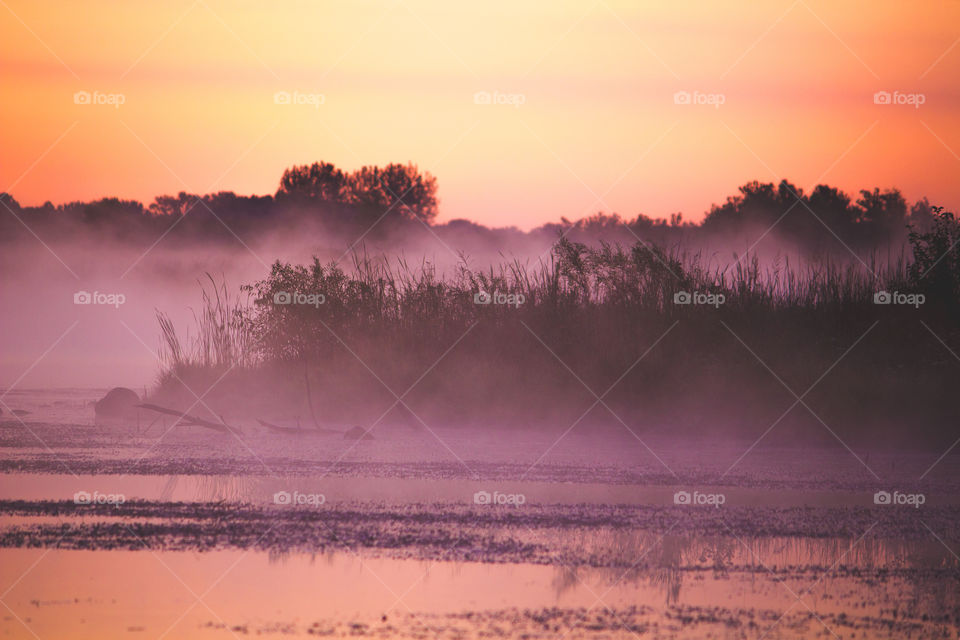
column 65, row 594
column 588, row 542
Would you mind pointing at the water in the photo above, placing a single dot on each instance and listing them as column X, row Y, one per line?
column 418, row 558
column 58, row 406
column 261, row 489
column 186, row 595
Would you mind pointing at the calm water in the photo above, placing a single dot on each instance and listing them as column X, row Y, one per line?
column 260, row 489
column 61, row 594
column 225, row 593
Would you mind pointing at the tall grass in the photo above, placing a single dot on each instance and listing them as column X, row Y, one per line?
column 380, row 295
column 584, row 316
column 223, row 334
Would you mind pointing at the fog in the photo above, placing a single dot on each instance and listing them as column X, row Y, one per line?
column 52, row 342
column 49, row 341
column 84, row 283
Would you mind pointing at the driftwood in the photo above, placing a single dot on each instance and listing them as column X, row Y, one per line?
column 296, row 431
column 192, row 421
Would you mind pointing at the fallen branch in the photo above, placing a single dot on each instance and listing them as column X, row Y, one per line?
column 192, row 421
column 298, row 431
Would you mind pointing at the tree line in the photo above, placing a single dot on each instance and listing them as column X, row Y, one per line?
column 326, row 198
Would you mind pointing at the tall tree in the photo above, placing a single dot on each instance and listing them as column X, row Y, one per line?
column 320, row 181
column 401, row 188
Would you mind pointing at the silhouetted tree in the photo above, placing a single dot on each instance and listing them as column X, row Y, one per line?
column 759, row 203
column 922, row 215
column 320, row 181
column 9, row 200
column 397, row 187
column 111, row 211
column 173, row 206
column 334, row 202
column 882, row 207
column 833, row 206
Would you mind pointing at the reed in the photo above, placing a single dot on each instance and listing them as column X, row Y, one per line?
column 584, row 315
column 222, row 339
column 378, row 296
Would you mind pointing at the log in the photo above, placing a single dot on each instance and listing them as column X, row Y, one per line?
column 297, row 430
column 192, row 421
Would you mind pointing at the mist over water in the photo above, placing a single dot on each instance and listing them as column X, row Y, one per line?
column 115, row 344
column 164, row 270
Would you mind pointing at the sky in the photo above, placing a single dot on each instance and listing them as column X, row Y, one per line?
column 526, row 112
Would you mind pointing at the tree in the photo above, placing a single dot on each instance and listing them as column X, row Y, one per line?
column 175, row 206
column 398, row 188
column 112, row 212
column 831, row 214
column 833, row 207
column 922, row 216
column 395, row 187
column 9, row 200
column 8, row 205
column 887, row 209
column 320, row 181
column 760, row 203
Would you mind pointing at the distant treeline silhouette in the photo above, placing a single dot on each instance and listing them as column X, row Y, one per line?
column 383, row 200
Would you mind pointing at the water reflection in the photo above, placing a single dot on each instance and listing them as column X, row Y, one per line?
column 260, row 488
column 614, row 565
column 877, row 580
column 230, row 488
column 921, row 570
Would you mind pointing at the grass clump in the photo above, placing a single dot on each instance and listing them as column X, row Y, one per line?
column 596, row 321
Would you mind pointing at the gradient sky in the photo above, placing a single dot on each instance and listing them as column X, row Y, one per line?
column 598, row 128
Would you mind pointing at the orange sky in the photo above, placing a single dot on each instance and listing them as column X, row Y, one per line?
column 598, row 127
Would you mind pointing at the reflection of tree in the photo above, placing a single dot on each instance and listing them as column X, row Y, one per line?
column 934, row 581
column 278, row 556
column 219, row 488
column 667, row 571
column 619, row 557
column 168, row 488
column 565, row 578
column 282, row 556
column 622, row 556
